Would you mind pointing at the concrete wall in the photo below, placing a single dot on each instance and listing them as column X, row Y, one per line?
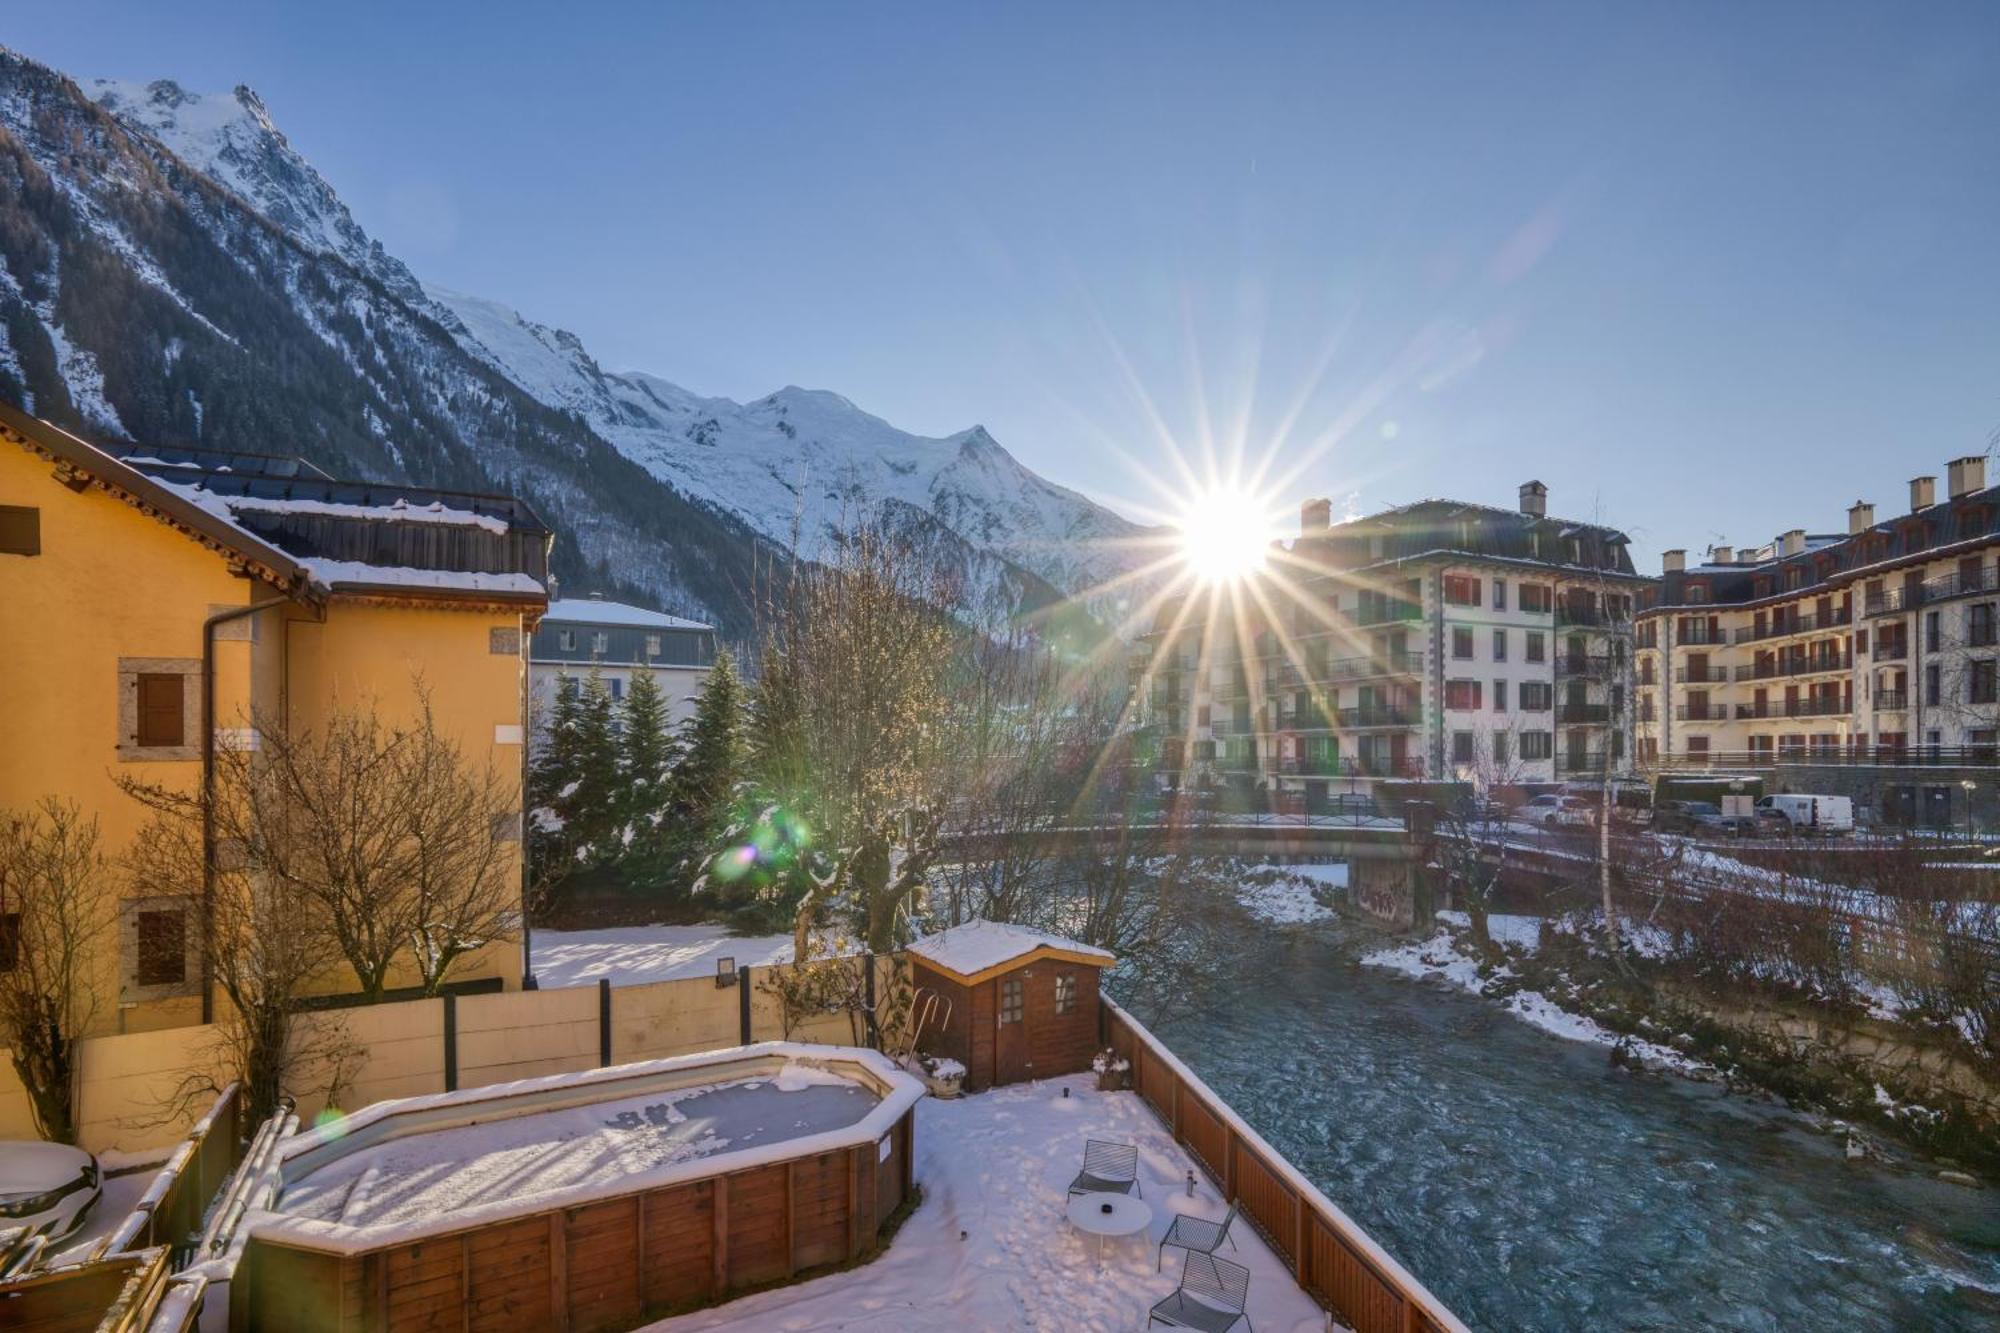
column 374, row 1052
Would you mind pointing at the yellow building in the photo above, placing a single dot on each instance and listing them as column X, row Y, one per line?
column 153, row 600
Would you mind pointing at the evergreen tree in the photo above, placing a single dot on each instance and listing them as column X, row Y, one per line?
column 710, row 766
column 647, row 755
column 552, row 769
column 588, row 802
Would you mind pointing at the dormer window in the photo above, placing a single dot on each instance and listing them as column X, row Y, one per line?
column 1697, row 591
column 566, row 640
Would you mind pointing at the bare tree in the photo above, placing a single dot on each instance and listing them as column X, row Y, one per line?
column 461, row 830
column 56, row 900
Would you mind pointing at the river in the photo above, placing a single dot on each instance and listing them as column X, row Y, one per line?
column 1532, row 1186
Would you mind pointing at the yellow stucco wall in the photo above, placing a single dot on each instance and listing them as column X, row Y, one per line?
column 112, row 582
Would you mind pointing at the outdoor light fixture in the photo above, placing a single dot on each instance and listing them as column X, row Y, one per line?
column 725, row 972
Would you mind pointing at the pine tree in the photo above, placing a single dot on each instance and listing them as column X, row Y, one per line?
column 588, row 802
column 710, row 765
column 647, row 754
column 551, row 771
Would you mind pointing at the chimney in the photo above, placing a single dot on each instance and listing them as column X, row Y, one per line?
column 1722, row 555
column 1674, row 561
column 1860, row 517
column 1965, row 475
column 1535, row 499
column 1791, row 543
column 1923, row 493
column 1315, row 515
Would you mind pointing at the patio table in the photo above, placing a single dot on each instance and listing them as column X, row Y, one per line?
column 1102, row 1215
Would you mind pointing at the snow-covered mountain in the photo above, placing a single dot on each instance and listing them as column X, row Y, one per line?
column 172, row 268
column 802, row 460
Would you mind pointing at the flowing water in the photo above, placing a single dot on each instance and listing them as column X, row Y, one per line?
column 1532, row 1186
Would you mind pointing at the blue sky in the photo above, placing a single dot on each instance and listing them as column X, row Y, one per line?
column 1709, row 271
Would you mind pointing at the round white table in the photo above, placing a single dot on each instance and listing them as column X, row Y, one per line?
column 1102, row 1215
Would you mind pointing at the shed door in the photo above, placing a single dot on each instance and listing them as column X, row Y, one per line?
column 1013, row 1056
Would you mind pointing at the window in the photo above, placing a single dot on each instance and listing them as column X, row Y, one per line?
column 652, row 645
column 1932, row 685
column 1537, row 696
column 1011, row 1004
column 160, row 711
column 1461, row 747
column 600, row 642
column 1538, row 645
column 1065, row 992
column 1697, row 592
column 1499, row 594
column 1499, row 645
column 1538, row 744
column 1985, row 683
column 162, row 947
column 1499, row 749
column 1931, row 631
column 20, row 530
column 617, row 684
column 566, row 640
column 1461, row 590
column 1535, row 597
column 1461, row 695
column 1461, row 642
column 1980, row 625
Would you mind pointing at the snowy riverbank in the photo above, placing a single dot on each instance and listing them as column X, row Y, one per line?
column 1448, row 956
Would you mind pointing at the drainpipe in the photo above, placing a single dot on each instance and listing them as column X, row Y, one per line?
column 528, row 981
column 208, row 628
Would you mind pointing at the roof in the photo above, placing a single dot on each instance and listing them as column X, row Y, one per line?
column 593, row 611
column 284, row 520
column 978, row 948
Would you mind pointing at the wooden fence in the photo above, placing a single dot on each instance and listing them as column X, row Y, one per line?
column 115, row 1295
column 1331, row 1256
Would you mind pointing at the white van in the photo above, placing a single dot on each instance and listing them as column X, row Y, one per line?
column 1826, row 815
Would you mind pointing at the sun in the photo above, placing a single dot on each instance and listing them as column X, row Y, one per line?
column 1225, row 535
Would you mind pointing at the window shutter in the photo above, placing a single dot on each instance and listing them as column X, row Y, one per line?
column 160, row 710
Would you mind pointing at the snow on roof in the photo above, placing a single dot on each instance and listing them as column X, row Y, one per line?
column 337, row 573
column 591, row 611
column 979, row 944
column 226, row 507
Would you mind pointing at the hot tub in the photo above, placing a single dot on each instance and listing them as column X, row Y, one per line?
column 596, row 1200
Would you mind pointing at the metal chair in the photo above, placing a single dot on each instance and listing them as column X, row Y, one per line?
column 1108, row 1168
column 1196, row 1235
column 1212, row 1297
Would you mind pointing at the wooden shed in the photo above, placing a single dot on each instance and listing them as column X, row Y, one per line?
column 1022, row 1004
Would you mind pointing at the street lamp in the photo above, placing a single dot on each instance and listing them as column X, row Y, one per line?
column 1969, row 785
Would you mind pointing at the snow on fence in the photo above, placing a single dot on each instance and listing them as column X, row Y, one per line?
column 169, row 1213
column 119, row 1294
column 1331, row 1256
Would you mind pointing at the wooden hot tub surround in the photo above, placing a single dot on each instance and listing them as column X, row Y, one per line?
column 594, row 1257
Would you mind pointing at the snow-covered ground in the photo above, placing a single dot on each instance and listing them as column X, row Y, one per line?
column 990, row 1247
column 1447, row 957
column 1290, row 895
column 634, row 955
column 430, row 1174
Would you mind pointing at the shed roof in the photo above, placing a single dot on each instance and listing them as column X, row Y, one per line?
column 981, row 948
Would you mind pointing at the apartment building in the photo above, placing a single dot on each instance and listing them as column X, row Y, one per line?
column 1441, row 639
column 1875, row 647
column 579, row 635
column 161, row 604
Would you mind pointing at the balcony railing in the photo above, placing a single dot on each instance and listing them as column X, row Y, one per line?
column 1771, row 708
column 1702, row 637
column 1587, row 666
column 1587, row 763
column 1779, row 627
column 1351, row 766
column 1709, row 713
column 1386, row 612
column 1892, row 652
column 1892, row 701
column 1887, row 756
column 1354, row 718
column 1587, row 617
column 1708, row 675
column 1230, row 690
column 1815, row 665
column 1584, row 714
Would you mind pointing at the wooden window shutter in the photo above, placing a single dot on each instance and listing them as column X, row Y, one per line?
column 160, row 710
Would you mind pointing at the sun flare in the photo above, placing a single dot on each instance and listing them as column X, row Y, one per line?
column 1225, row 536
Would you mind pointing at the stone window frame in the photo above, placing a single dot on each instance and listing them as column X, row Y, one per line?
column 129, row 989
column 129, row 671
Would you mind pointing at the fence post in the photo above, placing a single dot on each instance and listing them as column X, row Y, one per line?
column 743, row 1004
column 603, row 1021
column 868, row 995
column 450, row 1042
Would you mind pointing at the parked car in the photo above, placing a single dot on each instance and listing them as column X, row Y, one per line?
column 47, row 1187
column 1698, row 818
column 1828, row 816
column 1552, row 810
